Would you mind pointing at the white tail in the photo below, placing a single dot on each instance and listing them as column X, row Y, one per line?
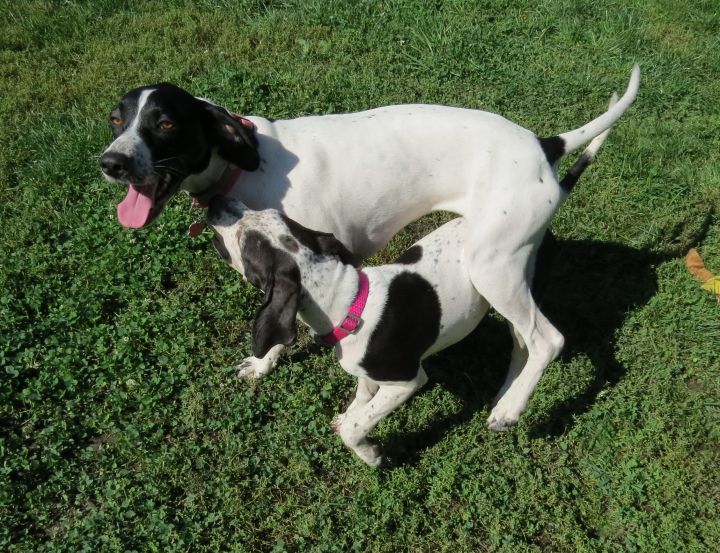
column 573, row 174
column 574, row 139
column 594, row 146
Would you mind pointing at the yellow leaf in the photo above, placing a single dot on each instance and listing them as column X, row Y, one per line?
column 712, row 285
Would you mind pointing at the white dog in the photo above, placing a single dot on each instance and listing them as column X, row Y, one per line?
column 383, row 321
column 363, row 177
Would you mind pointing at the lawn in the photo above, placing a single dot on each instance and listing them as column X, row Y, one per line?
column 122, row 425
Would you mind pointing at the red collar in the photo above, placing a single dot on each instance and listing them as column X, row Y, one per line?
column 352, row 321
column 222, row 187
column 229, row 176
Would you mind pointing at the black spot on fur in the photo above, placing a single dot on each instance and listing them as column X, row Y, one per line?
column 220, row 205
column 410, row 256
column 554, row 148
column 409, row 325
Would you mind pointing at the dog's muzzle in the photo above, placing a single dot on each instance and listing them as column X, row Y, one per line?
column 116, row 165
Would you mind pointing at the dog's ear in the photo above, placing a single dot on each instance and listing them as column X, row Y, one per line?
column 275, row 322
column 330, row 245
column 323, row 243
column 276, row 273
column 236, row 142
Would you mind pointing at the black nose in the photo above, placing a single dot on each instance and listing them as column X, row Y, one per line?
column 115, row 164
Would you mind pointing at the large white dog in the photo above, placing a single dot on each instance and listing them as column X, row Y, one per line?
column 383, row 320
column 363, row 177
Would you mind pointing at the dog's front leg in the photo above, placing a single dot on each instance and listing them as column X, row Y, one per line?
column 254, row 368
column 359, row 422
column 364, row 392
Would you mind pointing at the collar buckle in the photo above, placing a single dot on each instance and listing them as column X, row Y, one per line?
column 352, row 321
column 351, row 324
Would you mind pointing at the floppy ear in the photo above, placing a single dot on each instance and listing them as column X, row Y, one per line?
column 330, row 245
column 323, row 243
column 236, row 143
column 276, row 273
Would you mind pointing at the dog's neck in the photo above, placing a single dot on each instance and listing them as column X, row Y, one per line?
column 201, row 182
column 329, row 288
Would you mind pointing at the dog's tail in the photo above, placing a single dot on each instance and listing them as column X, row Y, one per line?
column 586, row 158
column 557, row 146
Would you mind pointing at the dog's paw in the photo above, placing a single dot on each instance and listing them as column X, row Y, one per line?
column 370, row 454
column 252, row 368
column 500, row 420
column 336, row 422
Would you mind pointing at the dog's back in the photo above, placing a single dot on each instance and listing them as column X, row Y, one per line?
column 439, row 258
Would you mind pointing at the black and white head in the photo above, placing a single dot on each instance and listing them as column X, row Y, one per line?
column 163, row 137
column 271, row 251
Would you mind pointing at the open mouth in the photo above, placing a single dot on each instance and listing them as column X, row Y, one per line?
column 144, row 202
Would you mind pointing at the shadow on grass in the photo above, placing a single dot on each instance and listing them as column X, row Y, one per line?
column 586, row 289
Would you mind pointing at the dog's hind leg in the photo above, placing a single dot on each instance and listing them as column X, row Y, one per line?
column 503, row 280
column 518, row 360
column 519, row 356
column 359, row 422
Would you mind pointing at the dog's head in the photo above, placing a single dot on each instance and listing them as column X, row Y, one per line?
column 270, row 250
column 163, row 137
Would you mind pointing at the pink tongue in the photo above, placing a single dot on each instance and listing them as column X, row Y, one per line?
column 134, row 210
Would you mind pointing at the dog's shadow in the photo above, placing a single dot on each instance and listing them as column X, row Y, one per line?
column 586, row 289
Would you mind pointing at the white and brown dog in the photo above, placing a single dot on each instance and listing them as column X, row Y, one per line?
column 363, row 177
column 383, row 321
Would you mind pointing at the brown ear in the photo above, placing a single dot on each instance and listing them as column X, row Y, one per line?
column 276, row 273
column 236, row 143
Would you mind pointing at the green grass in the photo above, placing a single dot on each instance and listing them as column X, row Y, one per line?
column 122, row 426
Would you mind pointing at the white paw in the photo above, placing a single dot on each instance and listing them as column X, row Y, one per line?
column 502, row 417
column 252, row 368
column 337, row 421
column 370, row 454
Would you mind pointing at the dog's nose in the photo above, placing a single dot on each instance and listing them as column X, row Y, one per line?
column 115, row 164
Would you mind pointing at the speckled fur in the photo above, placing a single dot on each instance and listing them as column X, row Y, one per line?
column 442, row 302
column 364, row 176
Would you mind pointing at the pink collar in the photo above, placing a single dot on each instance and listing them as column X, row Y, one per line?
column 352, row 321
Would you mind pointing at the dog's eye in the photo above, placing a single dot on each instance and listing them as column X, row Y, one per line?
column 115, row 121
column 166, row 125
